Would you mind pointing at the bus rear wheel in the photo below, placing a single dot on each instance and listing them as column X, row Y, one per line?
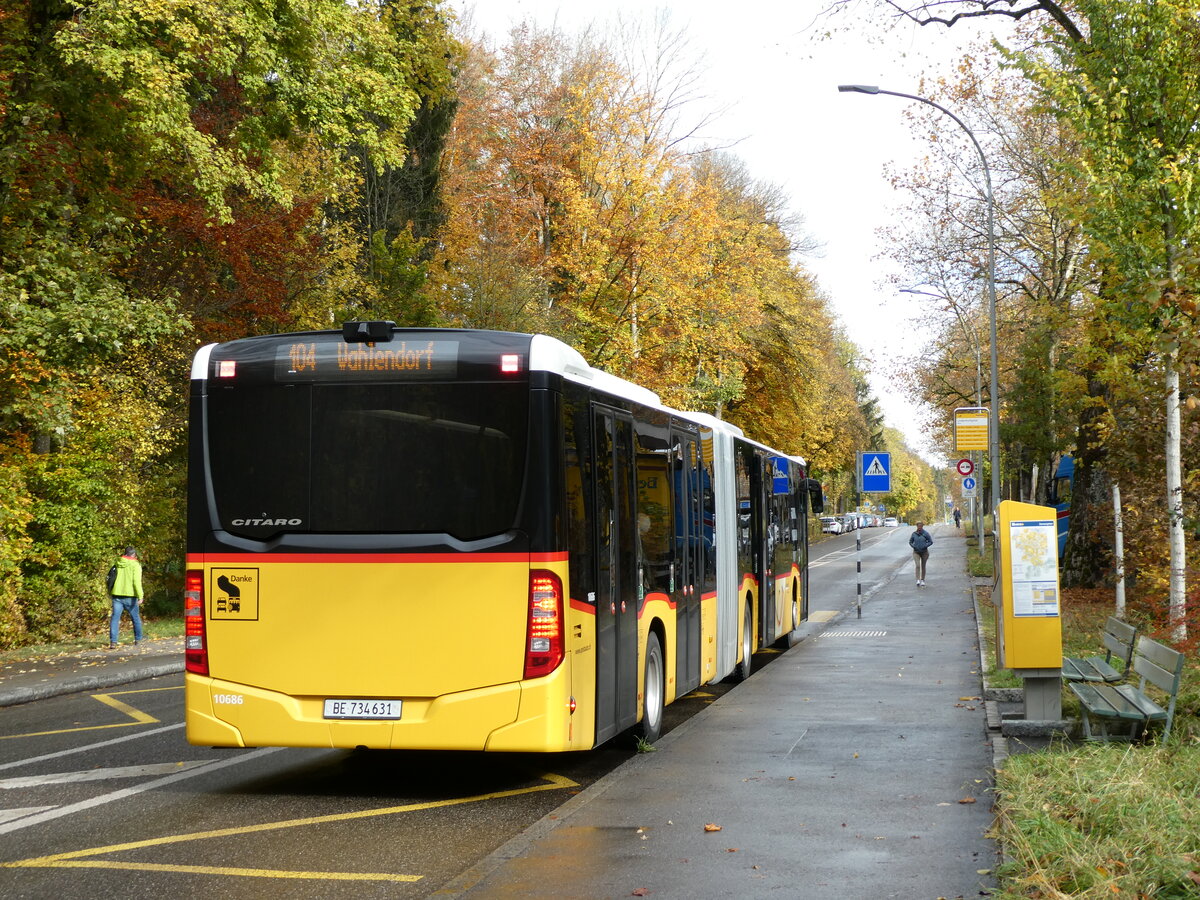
column 743, row 669
column 649, row 729
column 792, row 638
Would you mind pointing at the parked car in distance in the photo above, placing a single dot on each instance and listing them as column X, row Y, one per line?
column 891, row 522
column 849, row 522
column 831, row 525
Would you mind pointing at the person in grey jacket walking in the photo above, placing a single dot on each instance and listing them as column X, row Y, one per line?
column 920, row 541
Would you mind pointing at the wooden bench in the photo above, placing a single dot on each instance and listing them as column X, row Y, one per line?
column 1127, row 705
column 1119, row 639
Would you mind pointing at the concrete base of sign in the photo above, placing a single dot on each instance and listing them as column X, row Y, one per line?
column 1043, row 694
column 1026, row 728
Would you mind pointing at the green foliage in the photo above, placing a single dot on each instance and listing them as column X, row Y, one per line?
column 400, row 274
column 15, row 515
column 274, row 73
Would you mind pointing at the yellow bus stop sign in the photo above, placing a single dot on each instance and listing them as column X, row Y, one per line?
column 971, row 428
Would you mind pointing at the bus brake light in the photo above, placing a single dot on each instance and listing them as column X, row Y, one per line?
column 510, row 363
column 544, row 648
column 195, row 651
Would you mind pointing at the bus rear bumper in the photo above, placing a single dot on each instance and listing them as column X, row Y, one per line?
column 226, row 714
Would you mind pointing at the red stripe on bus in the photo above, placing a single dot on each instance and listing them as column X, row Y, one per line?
column 656, row 595
column 581, row 606
column 198, row 559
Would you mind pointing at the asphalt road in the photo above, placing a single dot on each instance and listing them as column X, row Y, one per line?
column 101, row 795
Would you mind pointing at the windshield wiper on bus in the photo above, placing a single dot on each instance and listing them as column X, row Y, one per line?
column 447, row 424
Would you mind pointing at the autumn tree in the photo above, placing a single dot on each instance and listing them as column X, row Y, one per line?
column 150, row 185
column 1124, row 80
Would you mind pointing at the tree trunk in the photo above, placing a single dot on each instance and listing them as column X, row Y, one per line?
column 1087, row 553
column 1119, row 550
column 1178, row 597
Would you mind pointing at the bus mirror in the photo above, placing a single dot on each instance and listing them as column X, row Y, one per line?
column 367, row 332
column 816, row 496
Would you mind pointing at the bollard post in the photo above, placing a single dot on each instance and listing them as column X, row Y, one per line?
column 858, row 563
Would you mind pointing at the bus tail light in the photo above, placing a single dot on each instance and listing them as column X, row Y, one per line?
column 544, row 647
column 195, row 653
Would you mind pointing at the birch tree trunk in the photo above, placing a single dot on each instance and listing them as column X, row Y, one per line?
column 1119, row 550
column 1178, row 595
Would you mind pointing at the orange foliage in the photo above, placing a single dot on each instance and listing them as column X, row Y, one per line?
column 233, row 279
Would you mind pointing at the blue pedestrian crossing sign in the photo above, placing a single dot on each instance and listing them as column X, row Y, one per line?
column 874, row 472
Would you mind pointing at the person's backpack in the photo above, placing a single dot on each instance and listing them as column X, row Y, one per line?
column 112, row 577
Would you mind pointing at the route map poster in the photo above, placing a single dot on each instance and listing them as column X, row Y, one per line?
column 1033, row 549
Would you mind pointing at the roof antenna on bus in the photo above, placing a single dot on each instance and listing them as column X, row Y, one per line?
column 367, row 332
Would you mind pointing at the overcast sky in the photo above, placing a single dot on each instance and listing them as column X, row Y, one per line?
column 766, row 67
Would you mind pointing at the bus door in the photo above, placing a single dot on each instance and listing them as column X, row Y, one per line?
column 761, row 480
column 689, row 531
column 616, row 581
column 799, row 514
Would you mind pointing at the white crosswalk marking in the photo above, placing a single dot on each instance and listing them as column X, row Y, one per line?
column 8, row 815
column 91, row 803
column 29, row 781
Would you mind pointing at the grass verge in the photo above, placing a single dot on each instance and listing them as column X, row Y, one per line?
column 1100, row 820
column 159, row 627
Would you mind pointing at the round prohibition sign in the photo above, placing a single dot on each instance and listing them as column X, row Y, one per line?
column 965, row 467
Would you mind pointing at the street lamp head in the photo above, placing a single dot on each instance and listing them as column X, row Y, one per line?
column 858, row 88
column 922, row 293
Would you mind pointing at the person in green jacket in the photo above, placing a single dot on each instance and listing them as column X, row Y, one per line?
column 126, row 596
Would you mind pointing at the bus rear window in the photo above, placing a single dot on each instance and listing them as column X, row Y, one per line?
column 409, row 458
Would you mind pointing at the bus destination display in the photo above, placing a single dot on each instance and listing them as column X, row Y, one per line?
column 397, row 360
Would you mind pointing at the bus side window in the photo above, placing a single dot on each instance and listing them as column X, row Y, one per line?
column 578, row 491
column 656, row 527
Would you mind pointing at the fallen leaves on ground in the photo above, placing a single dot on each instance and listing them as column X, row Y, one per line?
column 711, row 827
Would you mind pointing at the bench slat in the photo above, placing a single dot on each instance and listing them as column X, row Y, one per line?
column 1105, row 701
column 1147, row 707
column 1119, row 639
column 1092, row 669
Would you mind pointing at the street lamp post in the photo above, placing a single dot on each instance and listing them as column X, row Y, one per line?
column 994, row 419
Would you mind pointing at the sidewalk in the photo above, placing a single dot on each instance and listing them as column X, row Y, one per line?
column 858, row 765
column 88, row 670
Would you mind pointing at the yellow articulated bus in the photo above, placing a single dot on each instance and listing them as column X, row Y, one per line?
column 468, row 540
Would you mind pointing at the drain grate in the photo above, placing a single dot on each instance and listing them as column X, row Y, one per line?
column 842, row 634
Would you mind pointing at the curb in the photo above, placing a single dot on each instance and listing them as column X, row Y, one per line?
column 80, row 683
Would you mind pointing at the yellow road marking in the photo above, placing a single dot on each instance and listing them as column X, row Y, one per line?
column 138, row 717
column 76, row 858
column 822, row 615
column 245, row 873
